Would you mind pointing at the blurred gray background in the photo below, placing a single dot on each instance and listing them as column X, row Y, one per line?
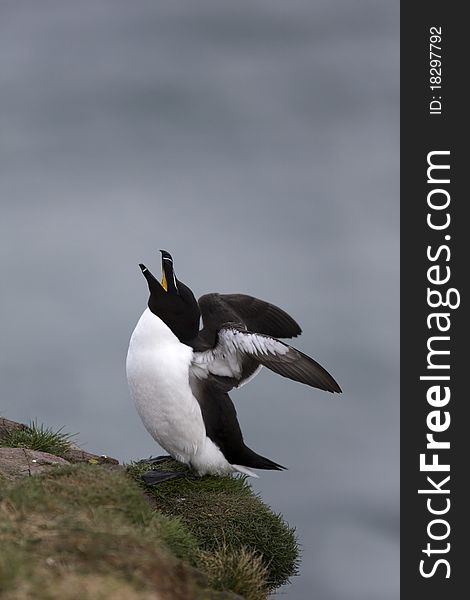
column 258, row 142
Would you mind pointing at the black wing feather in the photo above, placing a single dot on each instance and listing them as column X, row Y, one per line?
column 257, row 315
column 236, row 346
column 300, row 367
column 263, row 317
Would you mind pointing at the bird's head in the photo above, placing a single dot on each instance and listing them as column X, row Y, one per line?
column 172, row 301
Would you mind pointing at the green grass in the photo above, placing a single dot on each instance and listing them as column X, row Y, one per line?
column 240, row 570
column 225, row 510
column 94, row 532
column 93, row 526
column 38, row 437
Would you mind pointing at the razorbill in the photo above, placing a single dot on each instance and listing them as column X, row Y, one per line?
column 179, row 375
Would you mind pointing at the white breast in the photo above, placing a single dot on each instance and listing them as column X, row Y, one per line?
column 158, row 376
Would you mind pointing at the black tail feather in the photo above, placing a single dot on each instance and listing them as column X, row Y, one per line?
column 249, row 458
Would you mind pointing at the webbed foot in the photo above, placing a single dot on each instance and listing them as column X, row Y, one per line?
column 156, row 477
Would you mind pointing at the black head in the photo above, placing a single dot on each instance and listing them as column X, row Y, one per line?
column 172, row 301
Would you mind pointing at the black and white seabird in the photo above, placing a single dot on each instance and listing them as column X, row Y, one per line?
column 179, row 376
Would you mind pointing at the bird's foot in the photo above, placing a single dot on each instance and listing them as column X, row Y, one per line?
column 156, row 477
column 154, row 460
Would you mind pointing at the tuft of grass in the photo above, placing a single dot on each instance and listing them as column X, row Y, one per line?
column 225, row 509
column 175, row 535
column 38, row 437
column 239, row 570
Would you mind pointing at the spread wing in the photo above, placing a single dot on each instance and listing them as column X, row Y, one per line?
column 253, row 314
column 257, row 315
column 235, row 345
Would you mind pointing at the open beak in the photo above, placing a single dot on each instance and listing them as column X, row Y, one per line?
column 149, row 276
column 168, row 274
column 164, row 280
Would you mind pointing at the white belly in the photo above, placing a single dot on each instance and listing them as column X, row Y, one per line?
column 158, row 377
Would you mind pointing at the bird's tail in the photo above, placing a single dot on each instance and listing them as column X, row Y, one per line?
column 253, row 460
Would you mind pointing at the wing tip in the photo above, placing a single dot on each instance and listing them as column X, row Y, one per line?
column 285, row 327
column 335, row 388
column 296, row 331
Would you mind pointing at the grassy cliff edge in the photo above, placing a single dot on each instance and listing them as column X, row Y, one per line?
column 95, row 531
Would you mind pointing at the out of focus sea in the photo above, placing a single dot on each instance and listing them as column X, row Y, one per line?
column 258, row 142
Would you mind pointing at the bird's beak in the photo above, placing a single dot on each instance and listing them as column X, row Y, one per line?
column 149, row 276
column 168, row 274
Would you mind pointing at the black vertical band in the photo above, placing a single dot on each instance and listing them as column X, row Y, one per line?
column 434, row 253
